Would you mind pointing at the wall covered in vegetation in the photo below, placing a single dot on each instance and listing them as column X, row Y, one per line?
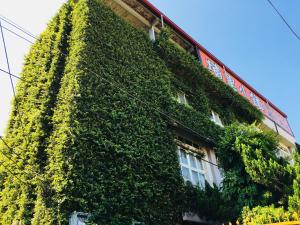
column 90, row 127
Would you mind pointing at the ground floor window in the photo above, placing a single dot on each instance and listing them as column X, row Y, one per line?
column 191, row 167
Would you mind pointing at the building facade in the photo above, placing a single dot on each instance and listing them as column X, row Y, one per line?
column 145, row 16
column 115, row 119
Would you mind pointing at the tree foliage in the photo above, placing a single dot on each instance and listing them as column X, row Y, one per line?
column 258, row 152
column 267, row 215
column 294, row 199
column 254, row 176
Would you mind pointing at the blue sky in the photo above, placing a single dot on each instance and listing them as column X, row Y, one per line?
column 250, row 39
column 246, row 35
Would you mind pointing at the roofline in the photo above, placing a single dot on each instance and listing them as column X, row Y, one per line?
column 168, row 21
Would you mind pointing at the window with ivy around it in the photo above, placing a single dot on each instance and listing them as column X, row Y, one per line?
column 191, row 167
column 215, row 117
column 181, row 98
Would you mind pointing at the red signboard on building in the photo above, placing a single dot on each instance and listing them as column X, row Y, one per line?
column 244, row 90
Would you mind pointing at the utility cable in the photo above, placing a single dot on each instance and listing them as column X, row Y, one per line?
column 8, row 158
column 15, row 76
column 12, row 83
column 12, row 173
column 7, row 61
column 284, row 20
column 17, row 26
column 99, row 76
column 20, row 36
column 132, row 96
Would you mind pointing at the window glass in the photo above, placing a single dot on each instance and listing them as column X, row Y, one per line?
column 216, row 118
column 183, row 157
column 202, row 180
column 196, row 180
column 181, row 98
column 212, row 117
column 193, row 161
column 191, row 168
column 185, row 173
column 199, row 162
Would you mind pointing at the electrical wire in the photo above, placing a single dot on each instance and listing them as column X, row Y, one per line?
column 11, row 82
column 125, row 91
column 7, row 61
column 130, row 95
column 17, row 26
column 9, row 30
column 15, row 163
column 15, row 76
column 284, row 20
column 12, row 173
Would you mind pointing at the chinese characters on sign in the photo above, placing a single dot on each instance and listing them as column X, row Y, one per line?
column 245, row 91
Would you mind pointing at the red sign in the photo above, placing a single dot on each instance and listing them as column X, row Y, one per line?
column 245, row 91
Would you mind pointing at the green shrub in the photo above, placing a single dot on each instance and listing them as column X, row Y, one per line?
column 267, row 215
column 253, row 174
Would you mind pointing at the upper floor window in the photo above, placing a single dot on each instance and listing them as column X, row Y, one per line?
column 216, row 118
column 181, row 98
column 191, row 167
column 283, row 152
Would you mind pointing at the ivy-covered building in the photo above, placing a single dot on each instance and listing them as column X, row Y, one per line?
column 119, row 112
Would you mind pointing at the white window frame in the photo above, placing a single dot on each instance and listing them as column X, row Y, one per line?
column 152, row 33
column 215, row 117
column 181, row 98
column 200, row 168
column 283, row 152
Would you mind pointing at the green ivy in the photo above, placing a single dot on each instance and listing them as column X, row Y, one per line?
column 30, row 123
column 206, row 91
column 93, row 126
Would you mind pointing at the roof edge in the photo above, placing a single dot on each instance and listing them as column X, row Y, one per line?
column 168, row 21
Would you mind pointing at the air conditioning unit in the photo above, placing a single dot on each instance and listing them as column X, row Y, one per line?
column 79, row 218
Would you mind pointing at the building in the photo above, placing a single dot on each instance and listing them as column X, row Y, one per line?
column 145, row 16
column 108, row 118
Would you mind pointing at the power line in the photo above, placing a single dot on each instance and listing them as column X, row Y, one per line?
column 125, row 91
column 12, row 150
column 9, row 30
column 11, row 82
column 284, row 20
column 17, row 26
column 130, row 95
column 7, row 61
column 15, row 76
column 13, row 161
column 12, row 173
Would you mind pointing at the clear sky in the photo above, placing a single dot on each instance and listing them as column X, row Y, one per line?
column 246, row 35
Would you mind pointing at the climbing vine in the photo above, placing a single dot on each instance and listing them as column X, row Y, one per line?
column 93, row 129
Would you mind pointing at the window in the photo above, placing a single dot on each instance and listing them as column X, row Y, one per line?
column 283, row 152
column 191, row 167
column 216, row 118
column 152, row 34
column 181, row 98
